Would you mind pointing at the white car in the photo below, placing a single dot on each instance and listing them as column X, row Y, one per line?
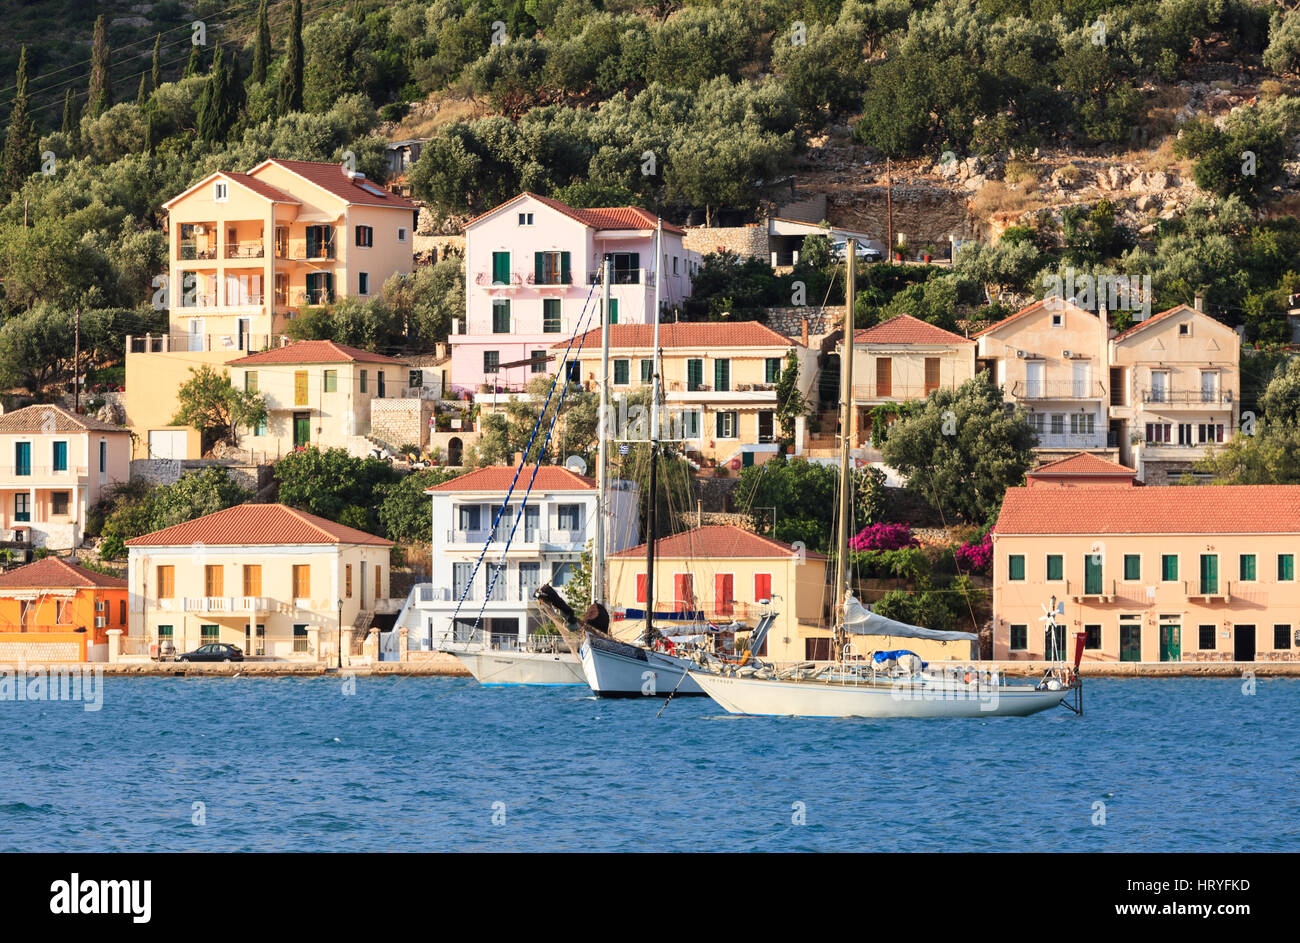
column 864, row 252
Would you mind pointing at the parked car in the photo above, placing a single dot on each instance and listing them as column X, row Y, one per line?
column 214, row 651
column 864, row 252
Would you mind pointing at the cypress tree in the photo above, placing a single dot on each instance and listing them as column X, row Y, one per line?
column 290, row 97
column 222, row 98
column 101, row 91
column 20, row 159
column 142, row 96
column 155, row 78
column 195, row 63
column 261, row 45
column 72, row 119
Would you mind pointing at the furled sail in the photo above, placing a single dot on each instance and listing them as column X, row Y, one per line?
column 860, row 620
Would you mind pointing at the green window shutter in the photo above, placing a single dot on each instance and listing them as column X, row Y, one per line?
column 500, row 267
column 1247, row 567
column 647, row 371
column 1209, row 573
column 694, row 374
column 501, row 316
column 1285, row 566
column 1132, row 566
column 772, row 370
column 1055, row 567
column 1169, row 567
column 564, row 268
column 620, row 372
column 1091, row 574
column 363, row 381
column 331, row 381
column 613, row 311
column 538, row 267
column 1016, row 567
column 721, row 375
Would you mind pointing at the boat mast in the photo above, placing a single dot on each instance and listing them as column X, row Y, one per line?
column 652, row 507
column 602, row 484
column 843, row 573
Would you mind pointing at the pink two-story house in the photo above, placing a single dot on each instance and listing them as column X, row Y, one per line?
column 532, row 270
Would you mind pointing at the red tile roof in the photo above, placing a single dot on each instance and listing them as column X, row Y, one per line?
column 601, row 217
column 717, row 541
column 262, row 188
column 257, row 525
column 498, row 478
column 56, row 573
column 333, row 178
column 1027, row 309
column 905, row 329
column 1165, row 510
column 46, row 417
column 312, row 352
column 707, row 334
column 1081, row 463
column 1152, row 320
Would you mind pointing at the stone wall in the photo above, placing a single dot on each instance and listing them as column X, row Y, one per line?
column 921, row 214
column 436, row 247
column 403, row 421
column 166, row 471
column 789, row 321
column 746, row 241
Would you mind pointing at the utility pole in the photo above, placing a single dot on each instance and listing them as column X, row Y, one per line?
column 889, row 207
column 76, row 364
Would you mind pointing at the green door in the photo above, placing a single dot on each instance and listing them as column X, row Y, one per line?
column 1209, row 574
column 1130, row 642
column 301, row 429
column 1171, row 643
column 1092, row 575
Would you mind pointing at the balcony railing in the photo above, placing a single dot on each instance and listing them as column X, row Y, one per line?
column 1073, row 440
column 894, row 391
column 1188, row 397
column 226, row 603
column 548, row 279
column 253, row 250
column 297, row 250
column 41, row 471
column 523, row 534
column 1067, row 389
column 488, row 279
column 168, row 343
column 627, row 276
column 1209, row 590
column 714, row 610
column 190, row 252
column 1083, row 589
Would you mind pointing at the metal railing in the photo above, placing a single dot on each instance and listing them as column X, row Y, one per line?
column 1058, row 389
column 225, row 604
column 1187, row 397
column 513, row 280
column 1081, row 589
column 629, row 276
column 524, row 534
column 246, row 251
column 167, row 343
column 1072, row 440
column 42, row 471
column 548, row 279
column 867, row 391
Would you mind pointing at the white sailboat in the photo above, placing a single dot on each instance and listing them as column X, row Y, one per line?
column 899, row 687
column 492, row 668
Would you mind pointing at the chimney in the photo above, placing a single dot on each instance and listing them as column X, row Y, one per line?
column 803, row 331
column 519, row 458
column 1198, row 302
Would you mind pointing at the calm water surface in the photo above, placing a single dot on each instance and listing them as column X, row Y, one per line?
column 417, row 764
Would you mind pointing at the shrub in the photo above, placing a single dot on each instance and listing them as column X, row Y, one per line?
column 976, row 556
column 112, row 548
column 883, row 536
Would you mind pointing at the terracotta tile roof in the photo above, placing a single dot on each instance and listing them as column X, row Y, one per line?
column 498, row 478
column 50, row 418
column 262, row 188
column 56, row 573
column 1155, row 318
column 602, row 217
column 257, row 525
column 1081, row 463
column 717, row 541
column 1167, row 509
column 312, row 352
column 1027, row 309
column 333, row 178
column 905, row 329
column 708, row 334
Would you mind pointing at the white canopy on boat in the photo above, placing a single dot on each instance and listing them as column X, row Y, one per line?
column 860, row 620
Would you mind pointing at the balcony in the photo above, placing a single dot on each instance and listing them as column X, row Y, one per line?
column 488, row 280
column 1187, row 398
column 872, row 392
column 190, row 252
column 1081, row 440
column 1082, row 590
column 248, row 250
column 626, row 276
column 1209, row 590
column 300, row 250
column 32, row 475
column 226, row 604
column 1057, row 390
column 233, row 341
column 548, row 280
column 524, row 535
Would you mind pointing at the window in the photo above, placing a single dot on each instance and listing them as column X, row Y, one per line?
column 551, row 316
column 762, row 587
column 166, row 579
column 691, row 424
column 250, row 381
column 1169, row 567
column 220, row 191
column 300, row 388
column 1083, row 423
column 347, row 580
column 363, row 283
column 22, row 507
column 1157, row 432
column 694, row 374
column 1132, row 566
column 726, row 424
column 401, row 233
column 1246, row 566
column 817, row 649
column 647, row 371
column 1184, row 329
column 320, row 242
column 1058, row 320
column 380, row 383
column 301, row 581
column 1209, row 574
column 60, row 457
column 538, row 364
column 331, row 381
column 568, row 517
column 1210, row 432
column 214, row 580
column 1016, row 567
column 300, row 638
column 252, row 579
column 379, row 581
column 491, row 361
column 1207, row 634
column 525, row 219
column 59, row 503
column 500, row 268
column 1092, row 574
column 469, row 517
column 121, row 611
column 209, row 634
column 414, row 378
column 1019, row 638
column 1058, row 423
column 722, row 375
column 771, row 369
column 1055, row 566
column 103, row 458
column 500, row 316
column 724, row 593
column 22, row 458
column 260, row 428
column 627, row 267
column 561, row 574
column 551, row 268
column 1285, row 567
column 164, row 633
column 1281, row 636
column 1092, row 636
column 641, row 588
column 365, row 237
column 621, row 372
column 365, row 380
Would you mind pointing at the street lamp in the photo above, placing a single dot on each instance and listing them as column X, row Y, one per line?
column 340, row 633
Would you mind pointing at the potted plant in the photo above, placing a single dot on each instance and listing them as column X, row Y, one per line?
column 927, row 254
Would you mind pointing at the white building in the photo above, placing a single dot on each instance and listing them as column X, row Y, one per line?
column 494, row 586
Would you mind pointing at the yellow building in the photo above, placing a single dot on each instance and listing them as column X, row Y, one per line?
column 54, row 465
column 719, row 381
column 274, row 581
column 246, row 252
column 317, row 393
column 1175, row 391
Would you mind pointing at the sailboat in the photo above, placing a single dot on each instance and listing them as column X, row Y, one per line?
column 898, row 686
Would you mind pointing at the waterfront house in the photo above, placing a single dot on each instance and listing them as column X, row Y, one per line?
column 905, row 359
column 273, row 580
column 246, row 252
column 317, row 393
column 546, row 542
column 1158, row 573
column 54, row 610
column 719, row 381
column 1175, row 391
column 532, row 265
column 1050, row 357
column 56, row 464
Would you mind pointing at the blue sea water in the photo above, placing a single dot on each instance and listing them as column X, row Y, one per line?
column 431, row 764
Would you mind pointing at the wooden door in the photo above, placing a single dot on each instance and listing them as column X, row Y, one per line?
column 884, row 377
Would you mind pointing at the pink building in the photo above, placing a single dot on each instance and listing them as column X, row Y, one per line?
column 532, row 265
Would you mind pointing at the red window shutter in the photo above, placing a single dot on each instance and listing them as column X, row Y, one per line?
column 762, row 586
column 640, row 587
column 723, row 593
column 683, row 592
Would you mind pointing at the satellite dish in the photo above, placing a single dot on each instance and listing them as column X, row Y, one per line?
column 576, row 464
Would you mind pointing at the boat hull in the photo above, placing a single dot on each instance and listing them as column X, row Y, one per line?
column 775, row 698
column 503, row 668
column 611, row 674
